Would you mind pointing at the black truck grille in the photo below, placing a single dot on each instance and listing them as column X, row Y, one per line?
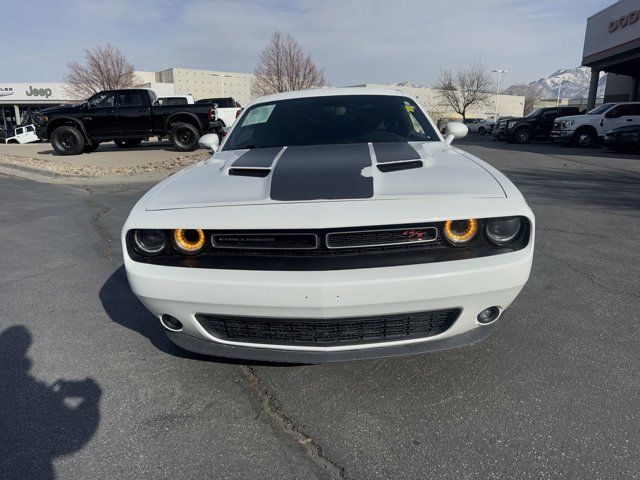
column 329, row 332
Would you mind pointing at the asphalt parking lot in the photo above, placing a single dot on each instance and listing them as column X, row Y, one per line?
column 91, row 388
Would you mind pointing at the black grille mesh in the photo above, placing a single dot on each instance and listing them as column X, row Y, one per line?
column 381, row 237
column 328, row 332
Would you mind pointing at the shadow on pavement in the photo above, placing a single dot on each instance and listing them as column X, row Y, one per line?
column 39, row 422
column 123, row 307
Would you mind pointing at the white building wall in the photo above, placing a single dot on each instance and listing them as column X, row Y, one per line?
column 508, row 105
column 209, row 83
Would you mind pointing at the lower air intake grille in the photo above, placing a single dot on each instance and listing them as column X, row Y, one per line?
column 328, row 332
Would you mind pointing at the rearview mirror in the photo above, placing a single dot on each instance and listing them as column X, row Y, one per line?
column 210, row 141
column 455, row 130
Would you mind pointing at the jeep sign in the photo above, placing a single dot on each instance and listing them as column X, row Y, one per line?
column 35, row 92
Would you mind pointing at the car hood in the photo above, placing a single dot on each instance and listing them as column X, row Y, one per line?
column 61, row 110
column 315, row 173
column 571, row 117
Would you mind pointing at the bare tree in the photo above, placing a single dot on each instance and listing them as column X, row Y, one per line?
column 284, row 67
column 105, row 68
column 531, row 93
column 465, row 88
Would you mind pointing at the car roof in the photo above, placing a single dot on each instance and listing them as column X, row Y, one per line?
column 329, row 92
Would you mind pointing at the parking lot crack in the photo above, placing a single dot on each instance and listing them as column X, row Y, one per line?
column 97, row 213
column 269, row 405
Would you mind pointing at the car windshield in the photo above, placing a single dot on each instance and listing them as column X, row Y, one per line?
column 535, row 113
column 331, row 120
column 601, row 109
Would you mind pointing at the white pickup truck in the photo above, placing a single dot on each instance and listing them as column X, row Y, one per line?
column 584, row 130
column 227, row 109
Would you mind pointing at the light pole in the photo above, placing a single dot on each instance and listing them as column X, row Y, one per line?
column 499, row 72
column 559, row 87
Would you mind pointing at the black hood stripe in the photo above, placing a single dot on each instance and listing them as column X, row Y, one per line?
column 394, row 152
column 257, row 158
column 322, row 172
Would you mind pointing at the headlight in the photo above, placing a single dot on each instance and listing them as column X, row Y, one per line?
column 150, row 242
column 566, row 124
column 460, row 232
column 188, row 240
column 511, row 124
column 503, row 230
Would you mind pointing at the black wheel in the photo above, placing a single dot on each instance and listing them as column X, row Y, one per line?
column 522, row 135
column 67, row 140
column 584, row 138
column 128, row 143
column 184, row 136
column 482, row 131
column 91, row 147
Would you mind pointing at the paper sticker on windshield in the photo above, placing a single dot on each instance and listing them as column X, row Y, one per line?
column 258, row 115
column 409, row 108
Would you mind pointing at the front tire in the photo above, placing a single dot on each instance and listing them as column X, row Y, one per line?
column 67, row 140
column 584, row 138
column 184, row 136
column 522, row 135
column 482, row 131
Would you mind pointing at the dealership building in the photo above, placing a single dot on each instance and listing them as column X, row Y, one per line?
column 612, row 45
column 19, row 100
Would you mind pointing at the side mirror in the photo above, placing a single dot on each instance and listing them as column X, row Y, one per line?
column 85, row 105
column 455, row 130
column 210, row 141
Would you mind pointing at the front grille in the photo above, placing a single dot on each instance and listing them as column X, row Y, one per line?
column 329, row 332
column 376, row 238
column 265, row 241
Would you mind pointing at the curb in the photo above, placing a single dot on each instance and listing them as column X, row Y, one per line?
column 47, row 176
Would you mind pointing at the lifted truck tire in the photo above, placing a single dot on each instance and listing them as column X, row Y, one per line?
column 67, row 140
column 184, row 136
column 128, row 143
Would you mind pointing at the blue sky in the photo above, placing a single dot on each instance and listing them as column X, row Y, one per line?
column 356, row 41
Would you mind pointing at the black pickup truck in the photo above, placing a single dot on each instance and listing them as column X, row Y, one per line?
column 126, row 117
column 538, row 124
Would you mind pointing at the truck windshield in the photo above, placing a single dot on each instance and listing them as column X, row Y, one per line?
column 331, row 120
column 601, row 109
column 535, row 113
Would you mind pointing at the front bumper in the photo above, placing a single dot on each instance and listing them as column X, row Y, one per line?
column 471, row 285
column 562, row 136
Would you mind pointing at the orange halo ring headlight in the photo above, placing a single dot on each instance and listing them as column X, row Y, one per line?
column 460, row 232
column 188, row 240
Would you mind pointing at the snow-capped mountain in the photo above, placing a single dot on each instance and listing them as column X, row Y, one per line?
column 575, row 83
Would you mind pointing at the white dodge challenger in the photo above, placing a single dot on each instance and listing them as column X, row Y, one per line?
column 330, row 225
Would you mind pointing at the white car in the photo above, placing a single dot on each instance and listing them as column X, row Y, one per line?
column 26, row 134
column 330, row 225
column 477, row 125
column 584, row 130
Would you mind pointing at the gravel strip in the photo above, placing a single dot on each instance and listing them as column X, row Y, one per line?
column 65, row 168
